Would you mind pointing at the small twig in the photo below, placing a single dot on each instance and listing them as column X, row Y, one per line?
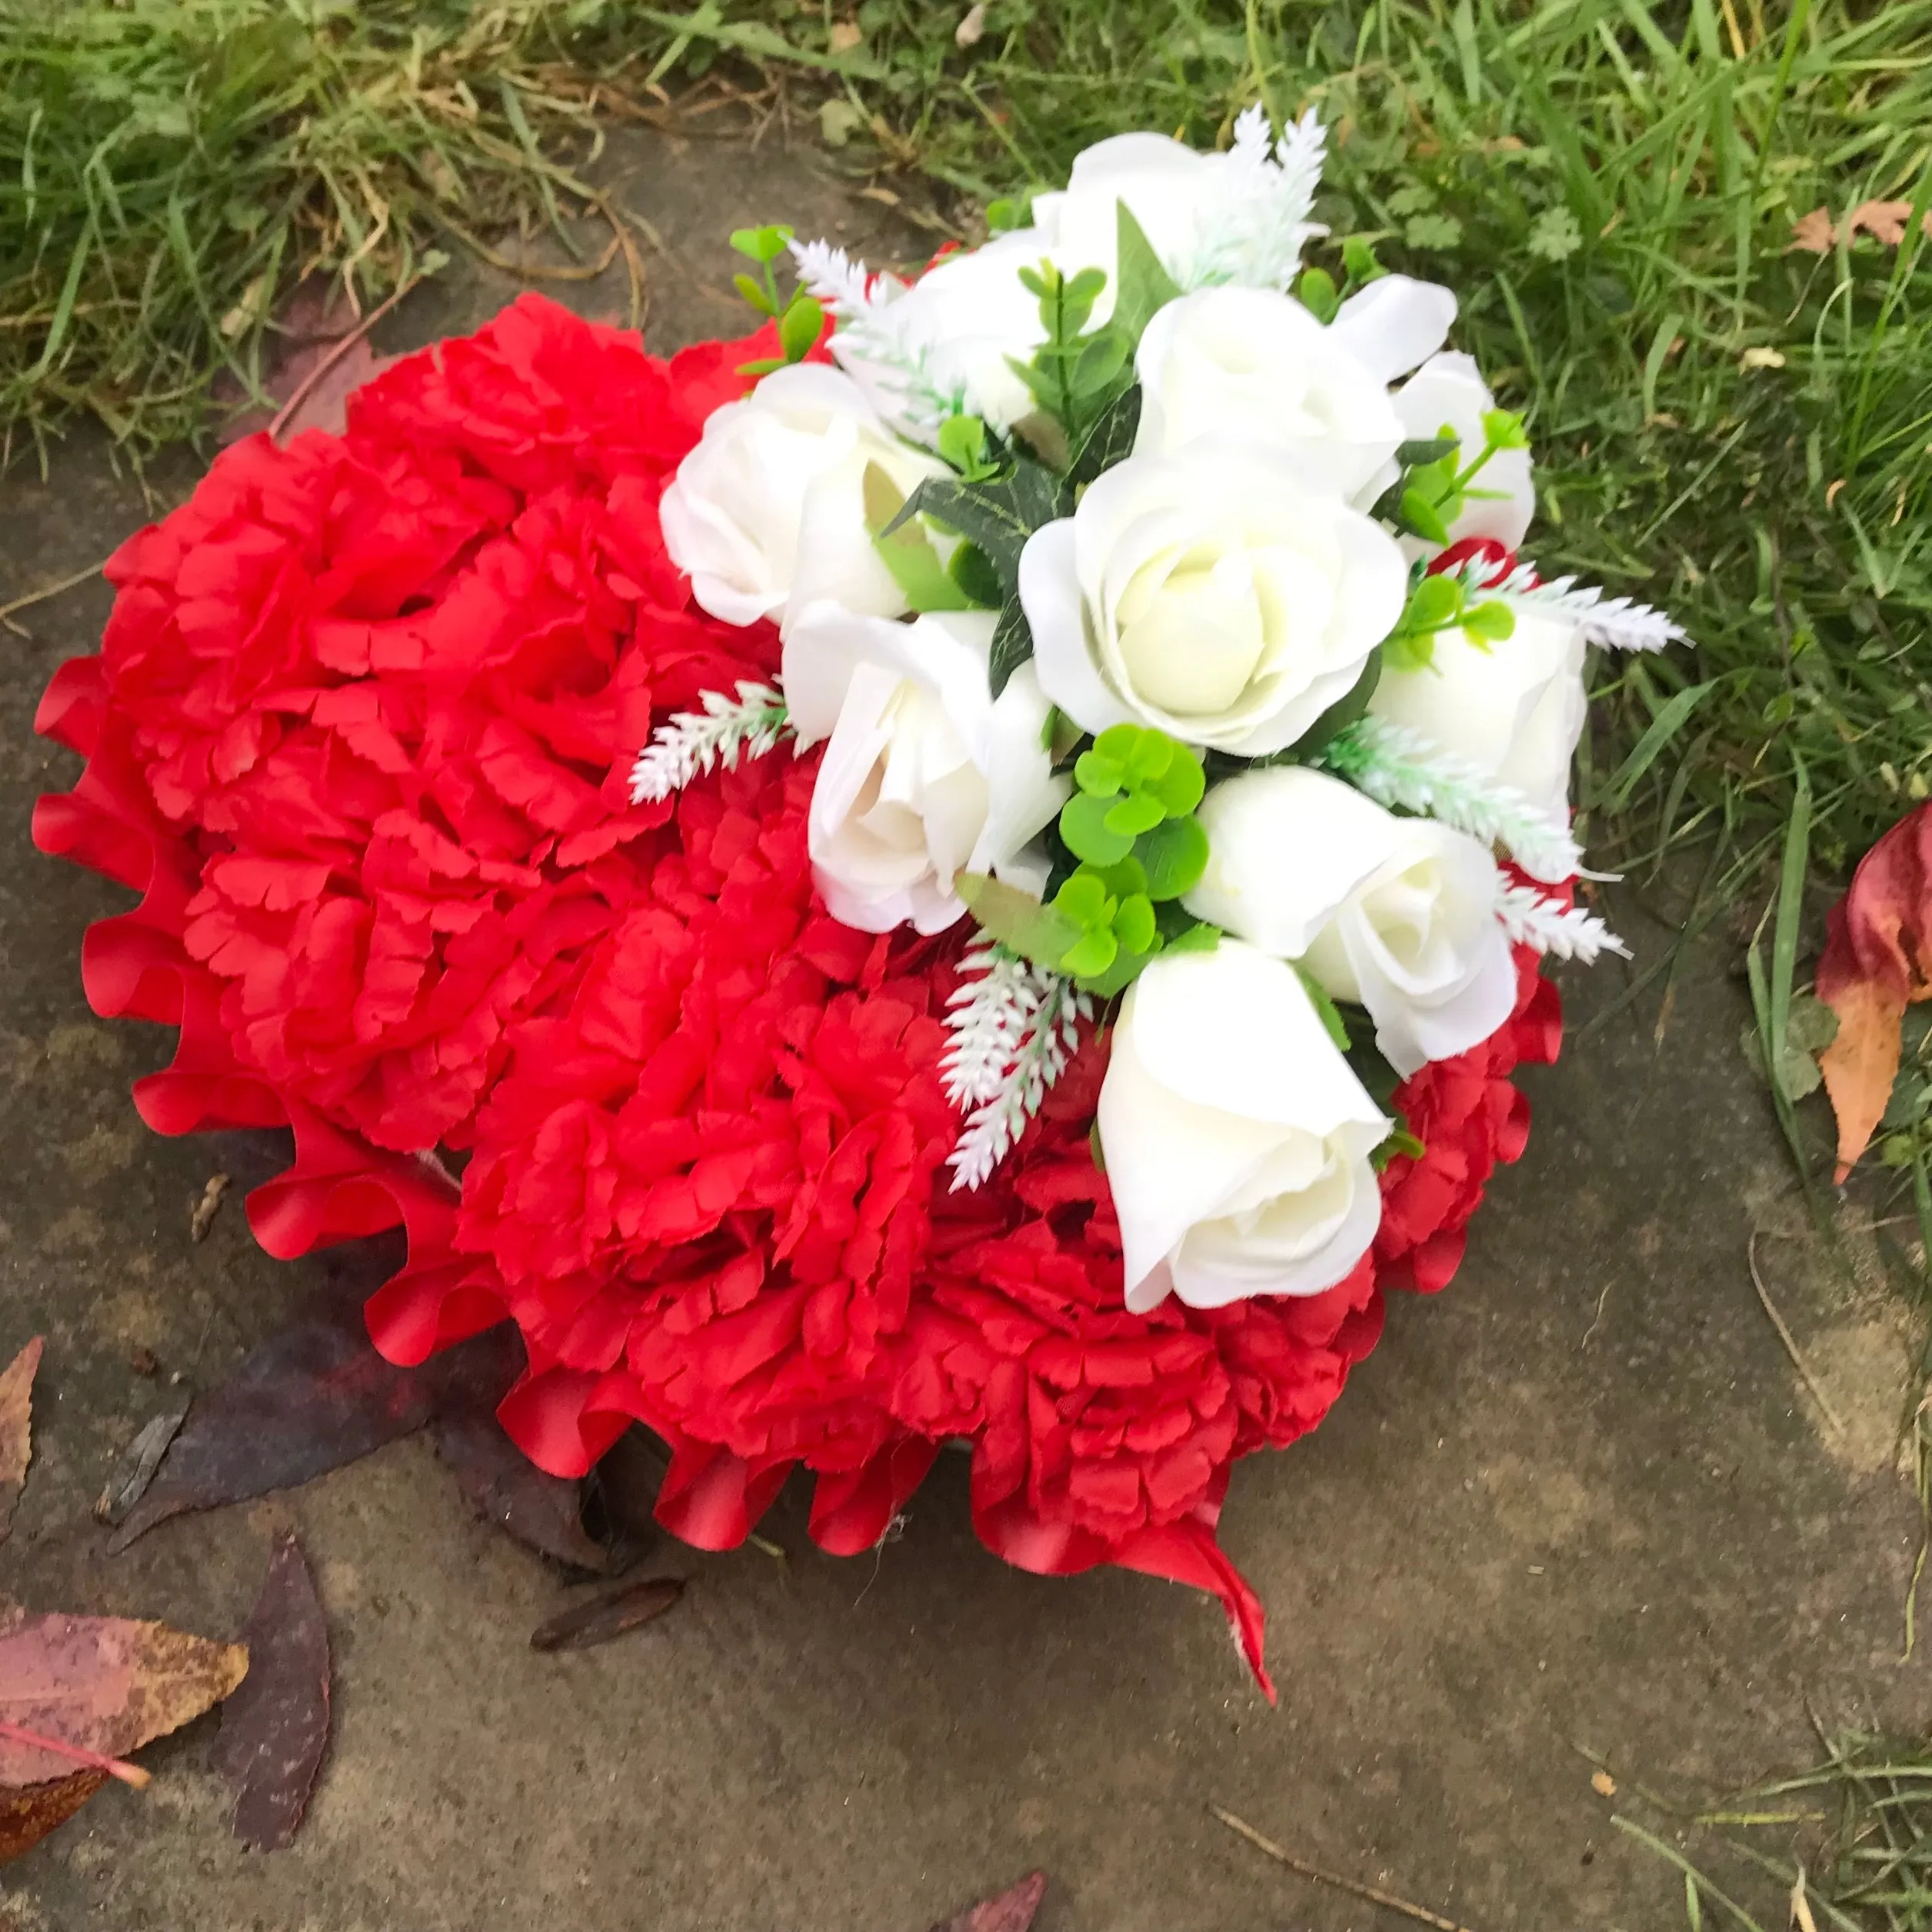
column 306, row 384
column 79, row 577
column 1387, row 1900
column 1784, row 1336
column 58, row 1748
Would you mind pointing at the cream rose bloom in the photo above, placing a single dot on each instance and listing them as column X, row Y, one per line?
column 1398, row 914
column 767, row 513
column 1247, row 365
column 925, row 775
column 1211, row 593
column 1236, row 1138
column 1514, row 708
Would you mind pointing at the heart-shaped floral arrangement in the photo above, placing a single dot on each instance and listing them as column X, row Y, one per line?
column 664, row 1057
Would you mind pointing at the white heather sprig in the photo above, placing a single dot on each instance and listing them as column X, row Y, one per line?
column 1398, row 768
column 1254, row 236
column 1568, row 931
column 1013, row 1030
column 843, row 287
column 1617, row 623
column 864, row 306
column 689, row 743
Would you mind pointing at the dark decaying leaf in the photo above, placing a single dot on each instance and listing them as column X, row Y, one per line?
column 107, row 1684
column 1012, row 1910
column 506, row 1487
column 609, row 1613
column 28, row 1813
column 275, row 1727
column 308, row 1400
column 135, row 1470
column 16, row 1429
column 620, row 1498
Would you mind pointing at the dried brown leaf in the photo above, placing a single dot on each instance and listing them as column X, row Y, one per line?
column 208, row 1207
column 107, row 1684
column 308, row 1400
column 28, row 1814
column 1812, row 233
column 1011, row 1910
column 135, row 1471
column 607, row 1615
column 274, row 1729
column 506, row 1487
column 16, row 1428
column 1603, row 1784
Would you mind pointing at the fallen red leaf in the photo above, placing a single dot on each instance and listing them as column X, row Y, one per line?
column 106, row 1684
column 26, row 1815
column 608, row 1615
column 1884, row 221
column 308, row 1400
column 275, row 1727
column 16, row 1429
column 506, row 1487
column 315, row 356
column 1012, row 1910
column 1877, row 961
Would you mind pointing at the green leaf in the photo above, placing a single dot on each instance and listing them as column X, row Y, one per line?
column 1318, row 293
column 1182, row 786
column 1110, row 440
column 1175, row 855
column 1083, row 826
column 1325, row 1007
column 1491, row 622
column 1016, row 918
column 1429, row 449
column 1358, row 260
column 1126, row 967
column 762, row 244
column 1097, row 775
column 1503, row 429
column 962, row 443
column 971, row 570
column 1134, row 923
column 1142, row 285
column 799, row 326
column 1091, row 953
column 1139, row 811
column 1418, row 514
column 1012, row 646
column 1083, row 898
column 753, row 291
column 1665, row 726
column 1097, row 367
column 1199, row 938
column 998, row 514
column 1004, row 214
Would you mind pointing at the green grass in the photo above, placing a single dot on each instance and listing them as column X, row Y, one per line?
column 1741, row 433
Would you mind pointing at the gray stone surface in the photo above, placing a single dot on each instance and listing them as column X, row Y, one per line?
column 1578, row 1501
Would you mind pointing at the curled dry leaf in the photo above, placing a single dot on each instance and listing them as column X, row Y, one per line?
column 16, row 1428
column 308, row 1400
column 1012, row 1910
column 106, row 1684
column 135, row 1471
column 1877, row 961
column 608, row 1614
column 1884, row 221
column 208, row 1207
column 274, row 1729
column 26, row 1817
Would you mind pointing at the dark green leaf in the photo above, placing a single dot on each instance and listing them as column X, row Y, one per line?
column 974, row 575
column 1110, row 440
column 1428, row 449
column 1324, row 1006
column 1417, row 513
column 1097, row 367
column 998, row 514
column 1012, row 645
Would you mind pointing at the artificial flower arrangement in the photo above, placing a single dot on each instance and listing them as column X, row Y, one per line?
column 971, row 867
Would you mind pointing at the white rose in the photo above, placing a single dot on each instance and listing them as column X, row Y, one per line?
column 1249, row 365
column 1398, row 914
column 950, row 335
column 767, row 513
column 926, row 774
column 1211, row 593
column 1447, row 389
column 1236, row 1138
column 1514, row 708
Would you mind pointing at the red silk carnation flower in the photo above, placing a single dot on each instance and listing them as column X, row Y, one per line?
column 358, row 733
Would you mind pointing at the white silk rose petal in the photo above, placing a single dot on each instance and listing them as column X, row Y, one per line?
column 1448, row 389
column 1514, row 708
column 1395, row 325
column 1211, row 593
column 1396, row 914
column 1237, row 1139
column 925, row 775
column 1249, row 365
column 767, row 513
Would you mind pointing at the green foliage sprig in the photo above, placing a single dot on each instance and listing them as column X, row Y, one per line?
column 799, row 318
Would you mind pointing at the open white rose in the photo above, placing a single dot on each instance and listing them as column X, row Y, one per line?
column 1209, row 593
column 1396, row 914
column 1447, row 390
column 1514, row 708
column 926, row 774
column 767, row 513
column 1249, row 365
column 1236, row 1138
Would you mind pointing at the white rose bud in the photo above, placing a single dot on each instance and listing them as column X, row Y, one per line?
column 1236, row 1138
column 1398, row 914
column 1448, row 391
column 1514, row 708
column 767, row 513
column 926, row 774
column 1249, row 365
column 1211, row 593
